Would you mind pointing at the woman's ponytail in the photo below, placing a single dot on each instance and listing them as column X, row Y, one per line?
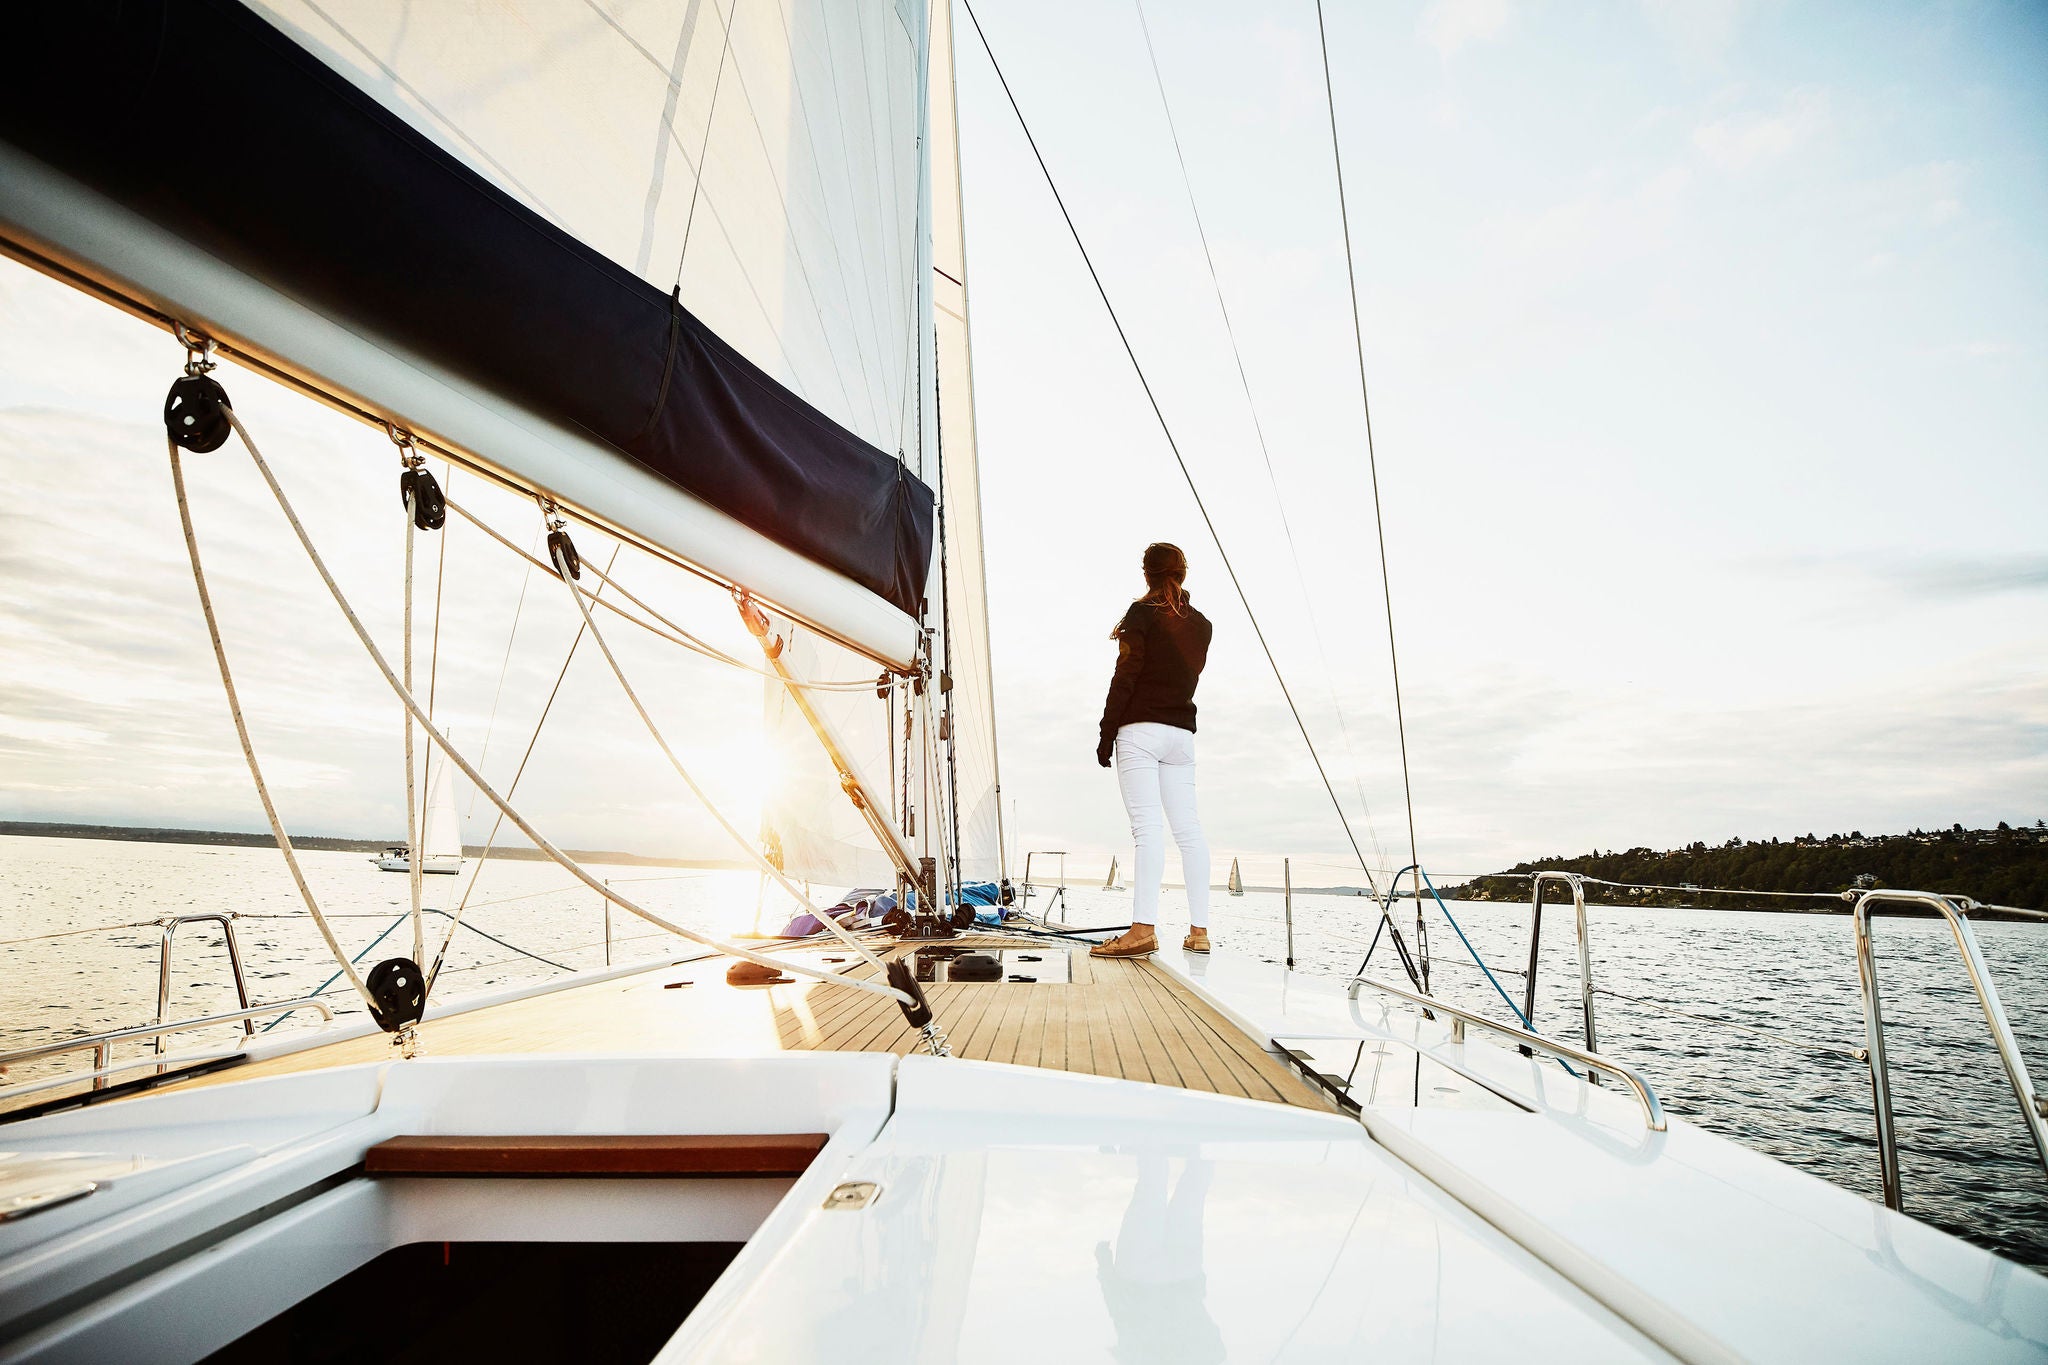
column 1166, row 572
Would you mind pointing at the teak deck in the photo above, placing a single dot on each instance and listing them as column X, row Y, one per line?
column 1126, row 1019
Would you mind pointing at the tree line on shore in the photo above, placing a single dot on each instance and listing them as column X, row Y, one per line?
column 2007, row 865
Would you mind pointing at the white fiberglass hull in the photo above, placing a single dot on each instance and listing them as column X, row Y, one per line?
column 1006, row 1212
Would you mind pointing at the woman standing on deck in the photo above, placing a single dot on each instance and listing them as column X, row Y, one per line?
column 1148, row 727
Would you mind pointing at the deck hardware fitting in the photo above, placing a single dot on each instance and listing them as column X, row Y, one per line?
column 854, row 1194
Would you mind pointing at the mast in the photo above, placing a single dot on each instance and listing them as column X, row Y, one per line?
column 974, row 773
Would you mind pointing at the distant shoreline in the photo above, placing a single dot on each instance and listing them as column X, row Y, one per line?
column 220, row 838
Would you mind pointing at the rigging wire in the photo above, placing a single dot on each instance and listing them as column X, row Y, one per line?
column 704, row 147
column 703, row 797
column 1259, row 431
column 504, row 666
column 1172, row 445
column 673, row 633
column 441, row 954
column 1371, row 457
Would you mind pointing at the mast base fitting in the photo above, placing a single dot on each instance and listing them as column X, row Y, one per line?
column 398, row 994
column 196, row 413
column 927, row 926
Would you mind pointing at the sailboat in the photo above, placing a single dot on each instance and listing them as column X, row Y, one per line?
column 1236, row 879
column 1110, row 883
column 693, row 281
column 441, row 832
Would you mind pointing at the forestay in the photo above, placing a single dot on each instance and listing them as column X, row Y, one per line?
column 665, row 271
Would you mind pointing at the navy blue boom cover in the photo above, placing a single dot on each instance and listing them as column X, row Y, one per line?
column 203, row 118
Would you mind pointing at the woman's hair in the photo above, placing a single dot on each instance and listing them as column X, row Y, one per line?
column 1166, row 569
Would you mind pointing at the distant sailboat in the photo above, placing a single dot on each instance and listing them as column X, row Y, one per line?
column 1236, row 879
column 1109, row 883
column 441, row 839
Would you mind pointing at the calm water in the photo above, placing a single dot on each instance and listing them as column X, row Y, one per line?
column 1968, row 1165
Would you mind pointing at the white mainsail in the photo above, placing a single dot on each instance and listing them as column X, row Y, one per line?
column 805, row 821
column 769, row 175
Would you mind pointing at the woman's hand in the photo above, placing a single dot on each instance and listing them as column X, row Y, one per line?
column 1103, row 750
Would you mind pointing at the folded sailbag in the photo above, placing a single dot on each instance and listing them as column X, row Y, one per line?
column 212, row 126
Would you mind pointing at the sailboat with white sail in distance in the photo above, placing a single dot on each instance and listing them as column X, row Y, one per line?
column 692, row 282
column 441, row 836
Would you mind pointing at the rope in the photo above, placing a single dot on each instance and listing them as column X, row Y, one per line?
column 1371, row 458
column 1478, row 961
column 703, row 797
column 1171, row 443
column 449, row 751
column 414, row 830
column 227, row 683
column 673, row 633
column 96, row 929
column 1259, row 430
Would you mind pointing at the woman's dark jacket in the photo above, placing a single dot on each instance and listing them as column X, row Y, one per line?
column 1159, row 660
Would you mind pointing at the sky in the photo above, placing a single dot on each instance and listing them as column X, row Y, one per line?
column 1708, row 356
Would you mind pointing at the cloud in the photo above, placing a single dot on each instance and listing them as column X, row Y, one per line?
column 1448, row 25
column 1939, row 577
column 1742, row 141
column 1701, row 31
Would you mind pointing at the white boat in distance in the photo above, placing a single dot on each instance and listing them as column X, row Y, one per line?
column 441, row 837
column 933, row 1139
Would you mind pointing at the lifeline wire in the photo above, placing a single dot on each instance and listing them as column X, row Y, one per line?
column 1171, row 443
column 1371, row 459
column 1258, row 430
column 227, row 683
column 540, row 841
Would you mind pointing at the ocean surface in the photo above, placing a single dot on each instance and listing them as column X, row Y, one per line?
column 1787, row 1088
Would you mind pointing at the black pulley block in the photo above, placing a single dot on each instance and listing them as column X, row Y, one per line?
column 963, row 915
column 917, row 1012
column 398, row 993
column 196, row 413
column 418, row 489
column 562, row 550
column 1006, row 894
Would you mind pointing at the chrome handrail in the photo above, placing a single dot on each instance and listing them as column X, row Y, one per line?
column 1653, row 1112
column 1578, row 890
column 1873, row 1031
column 163, row 972
column 101, row 1044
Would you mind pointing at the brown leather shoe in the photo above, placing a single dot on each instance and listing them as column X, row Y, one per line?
column 1197, row 941
column 1136, row 941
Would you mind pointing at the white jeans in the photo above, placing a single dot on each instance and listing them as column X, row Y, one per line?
column 1155, row 768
